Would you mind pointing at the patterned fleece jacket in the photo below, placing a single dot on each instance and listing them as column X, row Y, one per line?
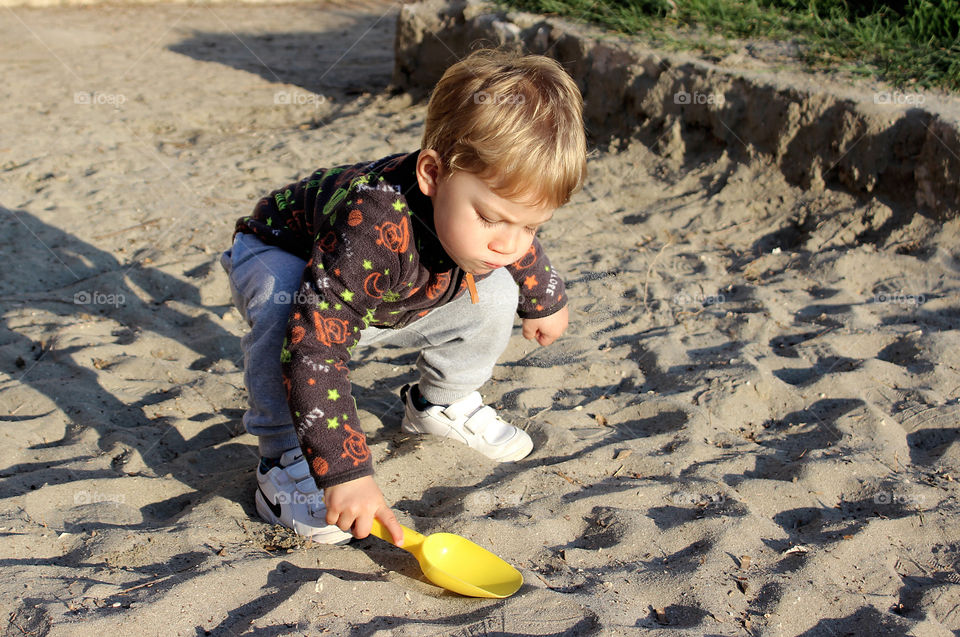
column 373, row 258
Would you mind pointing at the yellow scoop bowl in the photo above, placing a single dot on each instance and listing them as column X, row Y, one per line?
column 457, row 564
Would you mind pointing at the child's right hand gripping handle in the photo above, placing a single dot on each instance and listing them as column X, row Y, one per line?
column 410, row 537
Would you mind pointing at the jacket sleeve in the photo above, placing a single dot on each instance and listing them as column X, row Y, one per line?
column 542, row 291
column 336, row 300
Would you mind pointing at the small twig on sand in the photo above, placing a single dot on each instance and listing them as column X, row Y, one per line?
column 147, row 584
column 691, row 314
column 545, row 582
column 568, row 478
column 646, row 281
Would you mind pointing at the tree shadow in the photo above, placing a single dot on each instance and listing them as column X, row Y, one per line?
column 492, row 620
column 325, row 63
column 136, row 298
column 282, row 582
column 866, row 621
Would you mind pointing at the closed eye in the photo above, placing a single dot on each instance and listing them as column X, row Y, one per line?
column 486, row 223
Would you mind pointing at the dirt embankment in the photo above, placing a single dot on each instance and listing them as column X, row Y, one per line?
column 870, row 141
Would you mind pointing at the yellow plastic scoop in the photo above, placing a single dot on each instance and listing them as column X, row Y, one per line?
column 457, row 564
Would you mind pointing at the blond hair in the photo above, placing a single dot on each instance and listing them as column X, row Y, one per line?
column 514, row 121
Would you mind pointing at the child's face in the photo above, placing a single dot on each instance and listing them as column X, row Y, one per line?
column 479, row 229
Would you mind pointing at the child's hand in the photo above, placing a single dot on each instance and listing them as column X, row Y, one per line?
column 353, row 505
column 546, row 329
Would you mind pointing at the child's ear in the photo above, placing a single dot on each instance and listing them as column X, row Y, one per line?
column 429, row 171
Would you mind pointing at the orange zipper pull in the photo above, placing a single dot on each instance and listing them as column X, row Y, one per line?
column 474, row 297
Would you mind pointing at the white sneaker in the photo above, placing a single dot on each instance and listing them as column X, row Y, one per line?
column 471, row 422
column 288, row 496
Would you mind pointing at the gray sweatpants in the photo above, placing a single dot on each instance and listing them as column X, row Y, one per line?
column 459, row 342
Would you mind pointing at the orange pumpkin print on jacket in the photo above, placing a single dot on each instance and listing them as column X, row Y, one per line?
column 320, row 466
column 355, row 218
column 328, row 243
column 437, row 287
column 394, row 236
column 355, row 446
column 330, row 331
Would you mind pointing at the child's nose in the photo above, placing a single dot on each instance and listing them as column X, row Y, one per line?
column 506, row 242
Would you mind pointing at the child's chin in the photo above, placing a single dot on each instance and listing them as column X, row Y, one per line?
column 473, row 268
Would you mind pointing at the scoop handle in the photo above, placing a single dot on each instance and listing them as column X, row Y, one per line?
column 410, row 537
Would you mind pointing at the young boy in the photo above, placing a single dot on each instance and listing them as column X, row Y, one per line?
column 433, row 249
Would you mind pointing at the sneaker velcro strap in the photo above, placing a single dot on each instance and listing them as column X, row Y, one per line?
column 463, row 408
column 298, row 470
column 481, row 420
column 307, row 485
column 492, row 428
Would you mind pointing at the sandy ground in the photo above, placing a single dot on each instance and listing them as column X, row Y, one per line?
column 750, row 427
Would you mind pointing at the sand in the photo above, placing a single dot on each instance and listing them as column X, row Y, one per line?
column 749, row 428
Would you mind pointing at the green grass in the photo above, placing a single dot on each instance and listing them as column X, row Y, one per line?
column 906, row 42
